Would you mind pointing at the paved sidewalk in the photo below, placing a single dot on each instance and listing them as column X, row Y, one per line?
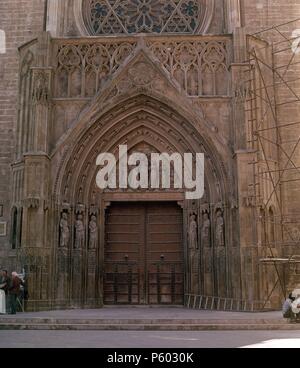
column 152, row 340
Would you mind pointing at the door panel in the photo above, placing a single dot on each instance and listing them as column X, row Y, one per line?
column 144, row 254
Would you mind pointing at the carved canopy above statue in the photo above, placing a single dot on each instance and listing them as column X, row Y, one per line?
column 106, row 17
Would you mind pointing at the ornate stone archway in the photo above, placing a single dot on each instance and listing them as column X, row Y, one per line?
column 135, row 121
column 142, row 105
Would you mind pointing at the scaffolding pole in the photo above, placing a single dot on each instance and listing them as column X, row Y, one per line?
column 272, row 91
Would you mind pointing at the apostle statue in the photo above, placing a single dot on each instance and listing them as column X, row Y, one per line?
column 64, row 231
column 193, row 233
column 205, row 231
column 93, row 233
column 79, row 232
column 220, row 229
column 193, row 244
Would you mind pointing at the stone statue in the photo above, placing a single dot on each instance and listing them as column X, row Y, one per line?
column 94, row 197
column 205, row 231
column 93, row 231
column 79, row 232
column 193, row 233
column 64, row 231
column 80, row 196
column 40, row 92
column 220, row 230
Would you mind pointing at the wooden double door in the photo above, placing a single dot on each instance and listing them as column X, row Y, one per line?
column 144, row 257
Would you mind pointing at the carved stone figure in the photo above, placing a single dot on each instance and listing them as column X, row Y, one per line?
column 64, row 231
column 220, row 229
column 40, row 92
column 79, row 233
column 193, row 233
column 205, row 231
column 93, row 232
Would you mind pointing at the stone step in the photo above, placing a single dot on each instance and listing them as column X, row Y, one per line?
column 167, row 322
column 152, row 327
column 92, row 324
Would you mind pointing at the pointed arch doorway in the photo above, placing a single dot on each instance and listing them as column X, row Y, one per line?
column 145, row 124
column 144, row 254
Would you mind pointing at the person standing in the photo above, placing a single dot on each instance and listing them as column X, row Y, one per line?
column 296, row 309
column 287, row 307
column 14, row 291
column 2, row 294
column 4, row 285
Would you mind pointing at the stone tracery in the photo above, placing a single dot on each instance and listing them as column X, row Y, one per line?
column 200, row 67
column 104, row 17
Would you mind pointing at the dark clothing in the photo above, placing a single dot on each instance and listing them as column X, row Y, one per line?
column 15, row 286
column 14, row 291
column 13, row 303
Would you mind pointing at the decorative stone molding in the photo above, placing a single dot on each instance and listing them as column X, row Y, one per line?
column 80, row 209
column 66, row 207
column 31, row 202
column 141, row 75
column 186, row 58
column 92, row 62
column 95, row 62
column 94, row 211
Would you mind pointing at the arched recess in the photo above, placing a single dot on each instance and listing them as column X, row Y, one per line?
column 14, row 228
column 135, row 117
column 272, row 227
column 263, row 230
column 138, row 120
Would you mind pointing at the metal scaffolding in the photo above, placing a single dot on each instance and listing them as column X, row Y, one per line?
column 272, row 108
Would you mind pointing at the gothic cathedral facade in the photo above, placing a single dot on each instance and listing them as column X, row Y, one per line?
column 158, row 76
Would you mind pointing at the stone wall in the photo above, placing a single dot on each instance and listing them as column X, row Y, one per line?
column 261, row 14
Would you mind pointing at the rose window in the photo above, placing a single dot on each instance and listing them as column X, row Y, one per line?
column 105, row 17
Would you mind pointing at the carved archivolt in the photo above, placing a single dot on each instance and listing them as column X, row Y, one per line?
column 142, row 120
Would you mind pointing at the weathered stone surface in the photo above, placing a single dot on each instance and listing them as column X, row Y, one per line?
column 67, row 97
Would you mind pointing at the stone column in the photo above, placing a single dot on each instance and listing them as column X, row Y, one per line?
column 54, row 17
column 245, row 156
column 233, row 10
column 36, row 248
